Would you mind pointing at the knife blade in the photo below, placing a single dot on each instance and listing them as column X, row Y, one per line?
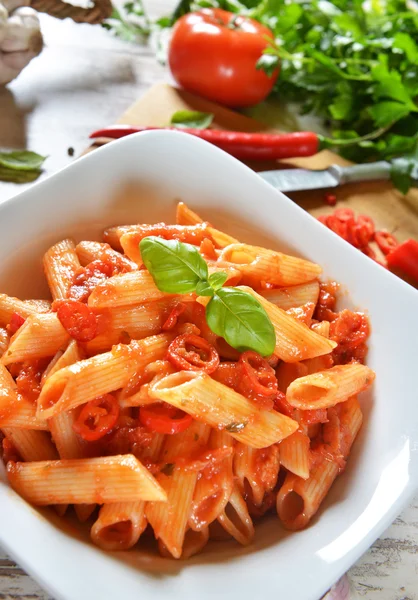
column 292, row 180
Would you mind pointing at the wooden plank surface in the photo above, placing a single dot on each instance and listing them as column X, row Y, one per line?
column 85, row 79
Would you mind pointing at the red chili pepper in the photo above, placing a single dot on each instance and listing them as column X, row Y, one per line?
column 310, row 417
column 330, row 199
column 97, row 418
column 386, row 241
column 172, row 318
column 228, row 374
column 245, row 146
column 282, row 405
column 258, row 380
column 405, row 257
column 77, row 318
column 191, row 352
column 163, row 418
column 337, row 226
column 344, row 214
column 16, row 322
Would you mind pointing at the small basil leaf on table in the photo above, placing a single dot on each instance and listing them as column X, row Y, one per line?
column 21, row 160
column 216, row 280
column 241, row 320
column 191, row 118
column 175, row 267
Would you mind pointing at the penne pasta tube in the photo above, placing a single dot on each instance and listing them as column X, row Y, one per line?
column 84, row 511
column 24, row 308
column 259, row 264
column 221, row 407
column 169, row 521
column 294, row 454
column 101, row 374
column 60, row 264
column 15, row 410
column 236, row 520
column 194, row 542
column 84, row 481
column 299, row 499
column 4, row 341
column 322, row 328
column 294, row 340
column 40, row 336
column 185, row 216
column 120, row 525
column 135, row 287
column 87, row 252
column 214, row 488
column 327, row 388
column 293, row 296
column 62, row 359
column 32, row 445
column 259, row 468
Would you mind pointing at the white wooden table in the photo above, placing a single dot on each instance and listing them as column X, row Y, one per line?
column 85, row 79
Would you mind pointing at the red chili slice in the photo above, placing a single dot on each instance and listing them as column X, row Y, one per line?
column 163, row 418
column 282, row 405
column 386, row 241
column 16, row 322
column 77, row 318
column 344, row 214
column 228, row 374
column 172, row 318
column 191, row 352
column 258, row 380
column 97, row 418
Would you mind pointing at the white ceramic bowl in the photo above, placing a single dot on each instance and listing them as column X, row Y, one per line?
column 158, row 168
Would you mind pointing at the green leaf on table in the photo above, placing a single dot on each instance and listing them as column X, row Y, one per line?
column 14, row 176
column 191, row 118
column 240, row 319
column 385, row 113
column 175, row 267
column 21, row 160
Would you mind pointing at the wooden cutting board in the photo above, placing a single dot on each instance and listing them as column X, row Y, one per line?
column 389, row 209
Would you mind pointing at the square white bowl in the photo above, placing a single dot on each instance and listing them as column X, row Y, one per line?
column 138, row 179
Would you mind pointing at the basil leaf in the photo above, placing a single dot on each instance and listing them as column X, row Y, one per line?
column 21, row 160
column 241, row 320
column 191, row 118
column 203, row 288
column 216, row 280
column 175, row 267
column 14, row 176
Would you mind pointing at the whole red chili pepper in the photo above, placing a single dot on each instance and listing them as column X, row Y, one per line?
column 245, row 146
column 405, row 257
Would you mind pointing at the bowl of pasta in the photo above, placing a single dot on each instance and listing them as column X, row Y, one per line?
column 201, row 388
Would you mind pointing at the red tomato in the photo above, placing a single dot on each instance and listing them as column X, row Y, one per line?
column 163, row 418
column 191, row 352
column 77, row 319
column 214, row 53
column 97, row 418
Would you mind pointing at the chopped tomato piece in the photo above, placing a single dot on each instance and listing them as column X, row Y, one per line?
column 163, row 418
column 77, row 318
column 97, row 418
column 191, row 352
column 16, row 322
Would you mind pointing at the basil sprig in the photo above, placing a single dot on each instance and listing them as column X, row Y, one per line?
column 20, row 166
column 231, row 313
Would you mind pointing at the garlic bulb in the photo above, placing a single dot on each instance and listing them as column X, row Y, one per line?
column 20, row 37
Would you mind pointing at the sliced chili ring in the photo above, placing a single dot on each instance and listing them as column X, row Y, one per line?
column 163, row 418
column 386, row 241
column 258, row 380
column 97, row 418
column 190, row 352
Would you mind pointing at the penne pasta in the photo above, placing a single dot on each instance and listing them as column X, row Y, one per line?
column 214, row 488
column 15, row 410
column 294, row 340
column 60, row 264
column 236, row 520
column 328, row 388
column 221, row 407
column 293, row 296
column 260, row 265
column 295, row 455
column 24, row 308
column 84, row 481
column 169, row 520
column 84, row 511
column 256, row 470
column 127, row 289
column 194, row 542
column 32, row 445
column 185, row 216
column 87, row 252
column 4, row 341
column 40, row 336
column 101, row 374
column 322, row 328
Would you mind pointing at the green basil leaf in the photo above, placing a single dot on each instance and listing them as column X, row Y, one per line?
column 21, row 160
column 241, row 320
column 175, row 267
column 14, row 176
column 216, row 280
column 191, row 118
column 203, row 288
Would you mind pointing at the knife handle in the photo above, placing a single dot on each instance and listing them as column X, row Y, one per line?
column 364, row 172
